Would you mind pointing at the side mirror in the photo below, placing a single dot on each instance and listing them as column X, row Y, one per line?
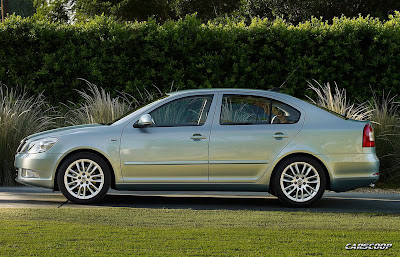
column 144, row 121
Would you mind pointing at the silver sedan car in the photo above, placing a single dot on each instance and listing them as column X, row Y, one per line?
column 211, row 139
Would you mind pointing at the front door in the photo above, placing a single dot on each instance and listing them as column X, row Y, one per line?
column 248, row 133
column 175, row 148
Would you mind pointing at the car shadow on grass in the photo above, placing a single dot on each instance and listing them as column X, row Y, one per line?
column 327, row 204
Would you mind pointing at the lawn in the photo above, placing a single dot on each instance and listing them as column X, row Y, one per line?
column 180, row 232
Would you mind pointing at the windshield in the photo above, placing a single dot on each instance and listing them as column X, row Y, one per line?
column 126, row 116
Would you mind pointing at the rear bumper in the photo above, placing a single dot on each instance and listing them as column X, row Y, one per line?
column 351, row 171
column 346, row 184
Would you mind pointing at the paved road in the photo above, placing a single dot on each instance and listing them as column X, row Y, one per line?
column 331, row 202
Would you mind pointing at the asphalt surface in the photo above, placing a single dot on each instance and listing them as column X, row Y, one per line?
column 32, row 197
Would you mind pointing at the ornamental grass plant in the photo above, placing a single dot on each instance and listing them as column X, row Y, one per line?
column 386, row 123
column 98, row 106
column 20, row 115
column 336, row 100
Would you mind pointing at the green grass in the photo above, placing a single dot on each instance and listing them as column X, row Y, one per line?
column 166, row 232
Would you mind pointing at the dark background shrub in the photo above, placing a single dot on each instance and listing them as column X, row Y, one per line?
column 356, row 53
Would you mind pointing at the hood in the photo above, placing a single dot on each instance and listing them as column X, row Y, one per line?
column 63, row 131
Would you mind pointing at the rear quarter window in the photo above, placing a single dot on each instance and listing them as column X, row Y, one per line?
column 283, row 114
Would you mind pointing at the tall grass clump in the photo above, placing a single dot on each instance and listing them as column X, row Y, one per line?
column 386, row 123
column 336, row 100
column 98, row 106
column 20, row 115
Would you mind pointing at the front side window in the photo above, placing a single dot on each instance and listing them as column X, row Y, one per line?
column 243, row 110
column 188, row 111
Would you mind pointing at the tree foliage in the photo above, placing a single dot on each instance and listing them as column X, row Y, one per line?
column 296, row 11
column 127, row 10
column 123, row 10
column 24, row 8
column 53, row 10
column 205, row 9
column 293, row 11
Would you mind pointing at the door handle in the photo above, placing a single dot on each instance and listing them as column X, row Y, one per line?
column 197, row 137
column 280, row 135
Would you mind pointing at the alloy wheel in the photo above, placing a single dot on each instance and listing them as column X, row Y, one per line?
column 300, row 182
column 84, row 179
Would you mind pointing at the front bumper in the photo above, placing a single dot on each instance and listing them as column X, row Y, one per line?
column 44, row 164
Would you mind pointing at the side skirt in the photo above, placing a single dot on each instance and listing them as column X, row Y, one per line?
column 191, row 187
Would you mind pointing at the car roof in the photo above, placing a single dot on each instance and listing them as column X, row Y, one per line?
column 239, row 90
column 214, row 90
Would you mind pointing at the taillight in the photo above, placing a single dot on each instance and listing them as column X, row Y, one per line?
column 368, row 136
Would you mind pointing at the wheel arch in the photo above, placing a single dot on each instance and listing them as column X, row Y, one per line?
column 323, row 165
column 85, row 150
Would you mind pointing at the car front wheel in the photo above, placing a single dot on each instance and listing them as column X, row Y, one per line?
column 300, row 181
column 84, row 178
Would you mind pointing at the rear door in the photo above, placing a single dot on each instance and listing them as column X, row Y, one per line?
column 248, row 132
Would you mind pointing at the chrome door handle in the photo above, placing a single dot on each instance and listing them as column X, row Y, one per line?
column 279, row 135
column 197, row 137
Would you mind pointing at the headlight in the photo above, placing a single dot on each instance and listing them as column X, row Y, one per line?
column 42, row 145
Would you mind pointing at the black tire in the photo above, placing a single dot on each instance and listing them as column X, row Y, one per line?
column 101, row 172
column 299, row 183
column 271, row 191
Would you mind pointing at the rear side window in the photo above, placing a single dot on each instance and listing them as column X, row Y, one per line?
column 249, row 110
column 243, row 110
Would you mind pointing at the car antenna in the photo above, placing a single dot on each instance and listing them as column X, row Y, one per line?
column 287, row 78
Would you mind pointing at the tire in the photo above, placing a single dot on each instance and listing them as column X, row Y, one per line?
column 301, row 186
column 84, row 178
column 271, row 191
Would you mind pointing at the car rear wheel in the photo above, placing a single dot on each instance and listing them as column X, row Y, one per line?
column 300, row 181
column 84, row 178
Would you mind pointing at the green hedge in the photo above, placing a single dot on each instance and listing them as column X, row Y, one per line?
column 356, row 53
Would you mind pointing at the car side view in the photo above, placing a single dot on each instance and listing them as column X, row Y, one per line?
column 207, row 139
